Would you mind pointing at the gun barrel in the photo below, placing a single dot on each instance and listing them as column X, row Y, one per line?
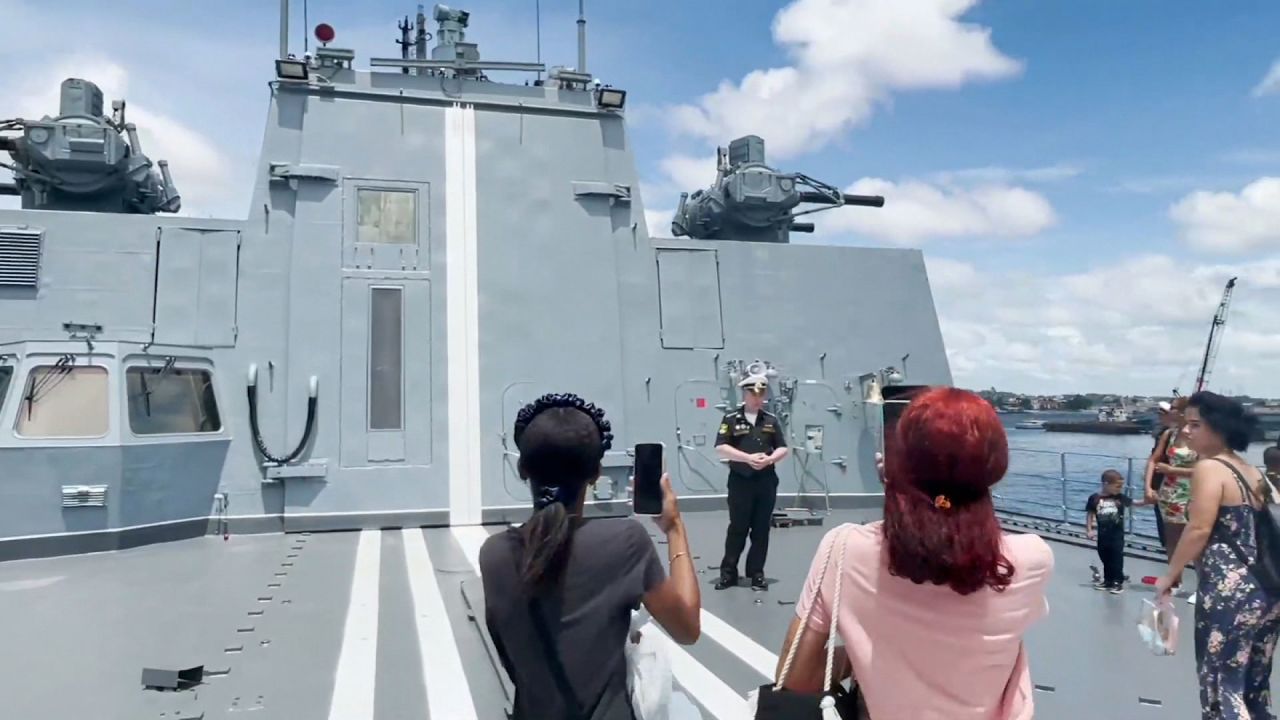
column 864, row 200
column 802, row 227
column 809, row 196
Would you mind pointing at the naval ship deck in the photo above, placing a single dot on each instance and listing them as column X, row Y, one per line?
column 374, row 624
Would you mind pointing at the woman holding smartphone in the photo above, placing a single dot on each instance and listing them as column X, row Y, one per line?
column 558, row 589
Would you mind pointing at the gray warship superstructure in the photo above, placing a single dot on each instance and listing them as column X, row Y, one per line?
column 426, row 249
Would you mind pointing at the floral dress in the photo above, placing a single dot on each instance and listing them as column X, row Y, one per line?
column 1236, row 623
column 1175, row 491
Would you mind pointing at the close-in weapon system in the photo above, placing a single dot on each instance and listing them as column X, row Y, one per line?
column 753, row 202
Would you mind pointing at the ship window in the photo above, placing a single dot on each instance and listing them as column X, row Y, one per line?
column 63, row 401
column 386, row 216
column 386, row 349
column 6, row 375
column 171, row 401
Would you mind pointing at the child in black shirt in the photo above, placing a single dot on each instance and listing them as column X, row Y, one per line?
column 1106, row 516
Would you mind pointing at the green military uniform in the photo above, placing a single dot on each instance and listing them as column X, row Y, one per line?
column 752, row 493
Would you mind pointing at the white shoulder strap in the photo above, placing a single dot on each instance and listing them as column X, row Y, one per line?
column 838, row 540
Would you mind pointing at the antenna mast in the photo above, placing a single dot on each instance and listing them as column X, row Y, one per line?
column 582, row 39
column 537, row 25
column 404, row 42
column 284, row 29
column 1215, row 336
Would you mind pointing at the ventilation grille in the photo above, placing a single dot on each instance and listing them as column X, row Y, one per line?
column 20, row 257
column 84, row 496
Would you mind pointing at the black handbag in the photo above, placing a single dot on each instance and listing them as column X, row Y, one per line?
column 774, row 702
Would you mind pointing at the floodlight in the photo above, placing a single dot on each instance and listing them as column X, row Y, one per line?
column 608, row 98
column 291, row 69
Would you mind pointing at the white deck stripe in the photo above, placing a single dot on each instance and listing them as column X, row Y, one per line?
column 470, row 538
column 746, row 649
column 448, row 693
column 354, row 682
column 710, row 691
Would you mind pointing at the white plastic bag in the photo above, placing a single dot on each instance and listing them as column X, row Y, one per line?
column 1158, row 626
column 648, row 672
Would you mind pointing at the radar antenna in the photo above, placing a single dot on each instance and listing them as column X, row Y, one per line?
column 452, row 56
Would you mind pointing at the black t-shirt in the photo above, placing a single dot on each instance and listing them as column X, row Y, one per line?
column 1108, row 511
column 612, row 564
column 765, row 435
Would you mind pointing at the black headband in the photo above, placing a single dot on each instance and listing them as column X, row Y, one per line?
column 564, row 400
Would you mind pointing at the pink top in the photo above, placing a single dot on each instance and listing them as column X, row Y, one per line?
column 924, row 651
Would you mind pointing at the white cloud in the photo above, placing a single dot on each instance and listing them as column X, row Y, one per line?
column 846, row 56
column 1252, row 156
column 1004, row 175
column 1231, row 222
column 1270, row 83
column 659, row 222
column 686, row 173
column 1136, row 326
column 917, row 211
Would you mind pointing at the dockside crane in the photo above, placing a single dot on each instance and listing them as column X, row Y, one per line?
column 1215, row 336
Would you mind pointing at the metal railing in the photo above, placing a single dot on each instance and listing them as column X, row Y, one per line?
column 1053, row 487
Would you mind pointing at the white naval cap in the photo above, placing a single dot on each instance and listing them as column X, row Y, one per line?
column 755, row 383
column 1164, row 406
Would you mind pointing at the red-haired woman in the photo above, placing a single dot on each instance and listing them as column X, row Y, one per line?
column 939, row 593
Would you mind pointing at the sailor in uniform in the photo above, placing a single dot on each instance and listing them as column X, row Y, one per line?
column 752, row 441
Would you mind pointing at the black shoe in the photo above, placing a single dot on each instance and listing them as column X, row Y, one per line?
column 726, row 581
column 758, row 583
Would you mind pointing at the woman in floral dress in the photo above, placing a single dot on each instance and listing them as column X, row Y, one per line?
column 1175, row 490
column 1237, row 622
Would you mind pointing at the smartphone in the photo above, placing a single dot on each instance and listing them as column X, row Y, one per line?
column 897, row 398
column 647, row 493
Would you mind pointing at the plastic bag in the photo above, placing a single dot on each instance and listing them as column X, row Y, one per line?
column 648, row 672
column 1158, row 626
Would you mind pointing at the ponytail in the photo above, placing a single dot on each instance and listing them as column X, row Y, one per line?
column 546, row 547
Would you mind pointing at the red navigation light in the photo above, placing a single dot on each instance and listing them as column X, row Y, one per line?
column 325, row 33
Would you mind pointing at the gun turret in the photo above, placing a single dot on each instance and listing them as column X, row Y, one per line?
column 81, row 160
column 751, row 201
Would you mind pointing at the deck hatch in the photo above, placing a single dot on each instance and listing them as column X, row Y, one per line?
column 20, row 257
column 84, row 496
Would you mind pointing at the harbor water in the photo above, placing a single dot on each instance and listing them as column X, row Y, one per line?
column 1052, row 474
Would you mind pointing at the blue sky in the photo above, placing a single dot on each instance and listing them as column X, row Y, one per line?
column 1081, row 175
